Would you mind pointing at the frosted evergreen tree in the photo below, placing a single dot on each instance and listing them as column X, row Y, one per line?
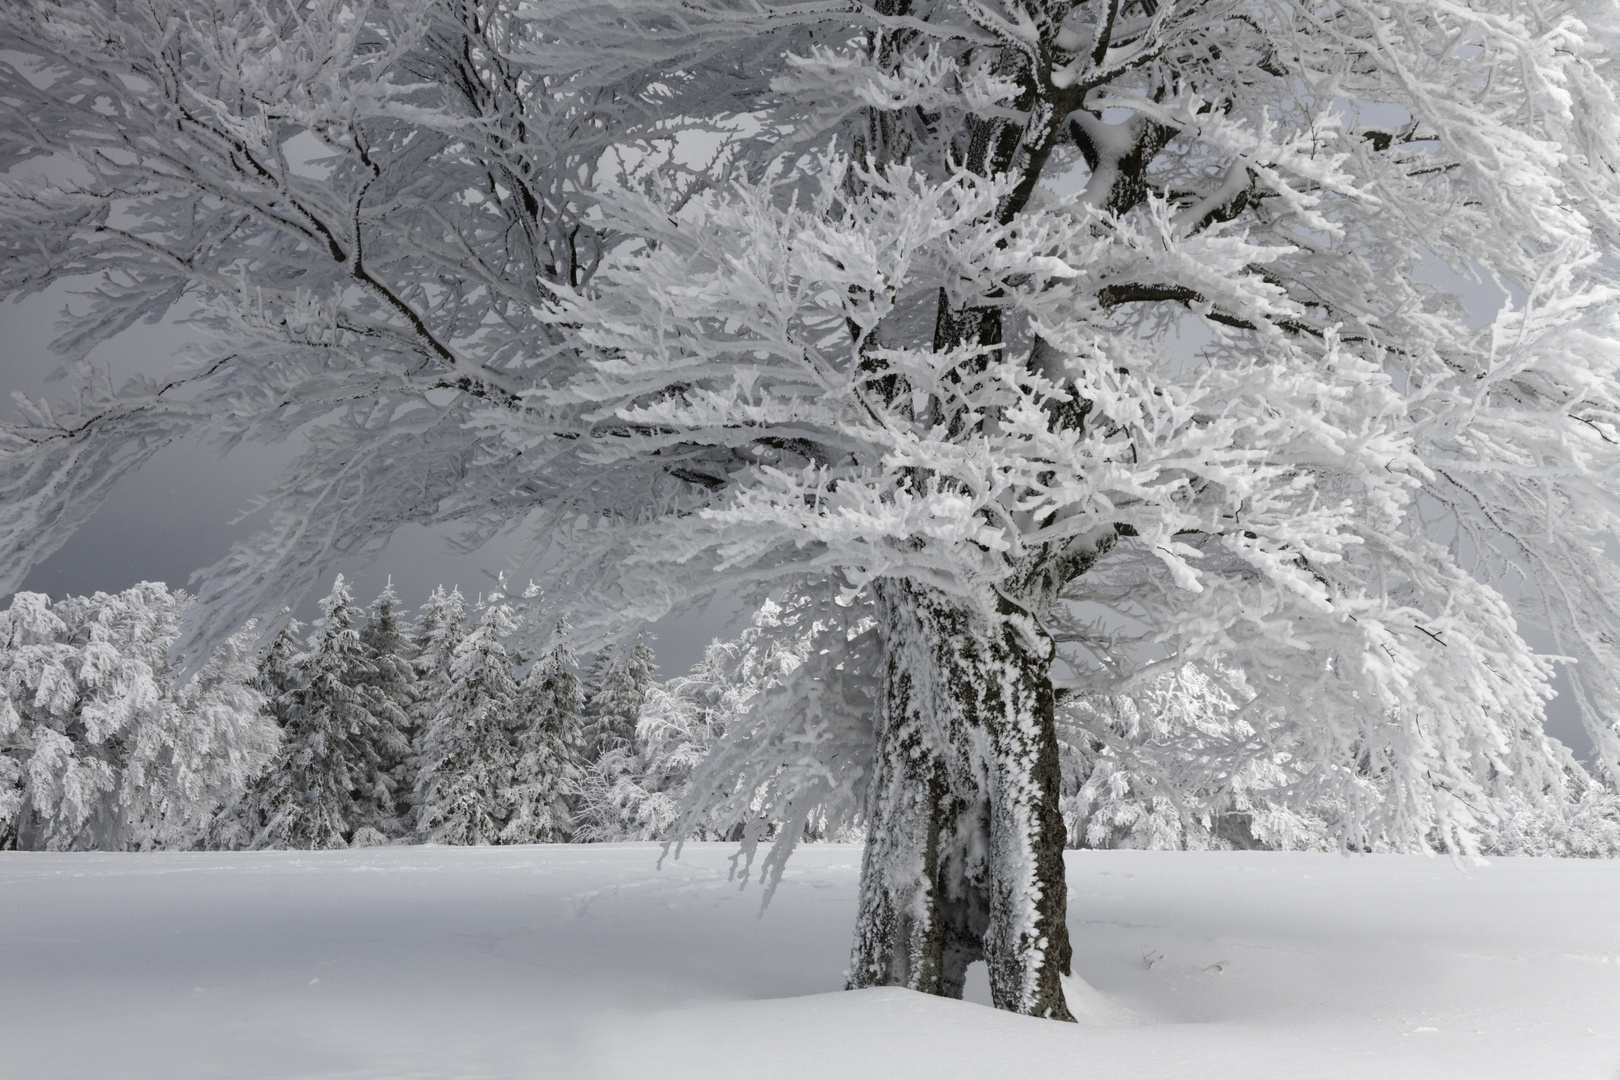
column 278, row 669
column 615, row 688
column 547, row 748
column 101, row 747
column 595, row 739
column 329, row 782
column 235, row 826
column 392, row 682
column 435, row 633
column 468, row 760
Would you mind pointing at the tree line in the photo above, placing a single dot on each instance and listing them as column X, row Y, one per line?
column 369, row 727
column 365, row 727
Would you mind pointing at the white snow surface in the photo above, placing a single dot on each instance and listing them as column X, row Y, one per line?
column 588, row 961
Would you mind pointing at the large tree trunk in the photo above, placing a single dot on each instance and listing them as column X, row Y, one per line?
column 964, row 853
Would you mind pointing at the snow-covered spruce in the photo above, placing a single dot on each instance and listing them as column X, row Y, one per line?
column 329, row 785
column 435, row 634
column 615, row 689
column 392, row 681
column 100, row 746
column 500, row 758
column 546, row 739
column 468, row 760
column 1101, row 332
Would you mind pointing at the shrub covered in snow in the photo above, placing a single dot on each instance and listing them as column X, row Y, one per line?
column 1588, row 828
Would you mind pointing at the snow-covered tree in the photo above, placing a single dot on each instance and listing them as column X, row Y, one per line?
column 640, row 790
column 328, row 786
column 392, row 683
column 468, row 757
column 440, row 623
column 100, row 747
column 236, row 824
column 1587, row 827
column 278, row 669
column 437, row 630
column 999, row 335
column 912, row 371
column 615, row 688
column 547, row 738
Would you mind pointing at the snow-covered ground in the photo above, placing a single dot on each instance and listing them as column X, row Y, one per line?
column 577, row 961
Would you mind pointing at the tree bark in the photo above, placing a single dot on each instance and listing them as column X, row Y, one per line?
column 964, row 855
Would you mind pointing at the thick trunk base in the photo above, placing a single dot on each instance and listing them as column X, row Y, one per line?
column 964, row 856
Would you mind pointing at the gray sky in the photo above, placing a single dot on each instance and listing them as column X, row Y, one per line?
column 175, row 515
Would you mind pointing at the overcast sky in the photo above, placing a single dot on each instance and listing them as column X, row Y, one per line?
column 175, row 516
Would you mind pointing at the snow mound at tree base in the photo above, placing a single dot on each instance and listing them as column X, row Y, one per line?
column 576, row 961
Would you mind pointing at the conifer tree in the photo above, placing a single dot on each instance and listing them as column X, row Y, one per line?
column 278, row 670
column 468, row 760
column 614, row 692
column 328, row 782
column 435, row 633
column 392, row 682
column 547, row 745
column 638, row 791
column 434, row 638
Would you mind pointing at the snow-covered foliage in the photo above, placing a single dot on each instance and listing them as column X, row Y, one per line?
column 642, row 790
column 329, row 785
column 1587, row 828
column 547, row 741
column 1178, row 767
column 392, row 680
column 1258, row 510
column 500, row 759
column 468, row 760
column 615, row 689
column 384, row 197
column 1118, row 794
column 440, row 623
column 100, row 746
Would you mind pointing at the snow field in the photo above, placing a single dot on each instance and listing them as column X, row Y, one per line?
column 587, row 961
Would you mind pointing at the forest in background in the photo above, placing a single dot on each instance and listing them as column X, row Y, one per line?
column 372, row 726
